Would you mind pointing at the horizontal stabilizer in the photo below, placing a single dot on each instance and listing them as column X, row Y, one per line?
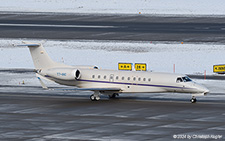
column 29, row 45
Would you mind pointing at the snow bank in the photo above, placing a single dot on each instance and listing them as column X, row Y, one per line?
column 188, row 58
column 182, row 7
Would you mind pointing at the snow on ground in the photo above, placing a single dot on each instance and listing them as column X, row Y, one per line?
column 160, row 57
column 182, row 7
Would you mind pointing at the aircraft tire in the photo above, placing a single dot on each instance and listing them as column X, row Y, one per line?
column 193, row 100
column 97, row 98
column 92, row 97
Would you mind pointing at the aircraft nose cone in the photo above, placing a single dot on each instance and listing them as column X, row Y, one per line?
column 206, row 91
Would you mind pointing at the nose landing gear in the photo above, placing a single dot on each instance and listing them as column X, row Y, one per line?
column 193, row 100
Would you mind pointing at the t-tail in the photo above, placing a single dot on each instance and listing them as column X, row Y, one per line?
column 40, row 57
column 44, row 65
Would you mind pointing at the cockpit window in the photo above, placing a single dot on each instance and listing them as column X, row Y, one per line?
column 183, row 79
column 179, row 79
column 186, row 79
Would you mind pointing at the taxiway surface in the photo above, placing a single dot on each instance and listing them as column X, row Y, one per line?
column 112, row 27
column 35, row 117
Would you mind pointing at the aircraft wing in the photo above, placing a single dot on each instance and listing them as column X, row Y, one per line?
column 75, row 89
column 91, row 89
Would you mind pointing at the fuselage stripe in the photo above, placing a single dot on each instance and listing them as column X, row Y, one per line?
column 138, row 84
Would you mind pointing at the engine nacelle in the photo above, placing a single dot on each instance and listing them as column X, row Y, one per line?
column 62, row 73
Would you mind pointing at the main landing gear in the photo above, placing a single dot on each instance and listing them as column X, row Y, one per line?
column 95, row 96
column 193, row 100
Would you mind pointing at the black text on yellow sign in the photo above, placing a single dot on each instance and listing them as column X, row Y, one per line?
column 219, row 68
column 140, row 67
column 125, row 66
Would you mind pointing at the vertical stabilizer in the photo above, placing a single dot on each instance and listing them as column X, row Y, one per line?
column 40, row 57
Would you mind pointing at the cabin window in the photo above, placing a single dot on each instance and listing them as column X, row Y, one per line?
column 139, row 79
column 122, row 78
column 149, row 79
column 105, row 77
column 134, row 78
column 93, row 76
column 99, row 76
column 128, row 78
column 117, row 77
column 179, row 79
column 144, row 79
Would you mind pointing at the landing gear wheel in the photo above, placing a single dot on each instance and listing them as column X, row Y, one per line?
column 94, row 98
column 193, row 100
column 97, row 98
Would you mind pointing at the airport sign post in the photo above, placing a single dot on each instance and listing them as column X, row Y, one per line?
column 220, row 69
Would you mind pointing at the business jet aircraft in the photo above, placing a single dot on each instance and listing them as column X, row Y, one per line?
column 110, row 82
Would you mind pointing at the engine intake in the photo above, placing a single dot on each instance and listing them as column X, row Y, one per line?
column 77, row 74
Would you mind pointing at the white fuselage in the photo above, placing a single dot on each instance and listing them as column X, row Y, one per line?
column 127, row 81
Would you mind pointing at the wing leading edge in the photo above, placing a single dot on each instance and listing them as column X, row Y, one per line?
column 93, row 89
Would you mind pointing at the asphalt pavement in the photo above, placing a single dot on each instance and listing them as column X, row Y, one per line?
column 112, row 27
